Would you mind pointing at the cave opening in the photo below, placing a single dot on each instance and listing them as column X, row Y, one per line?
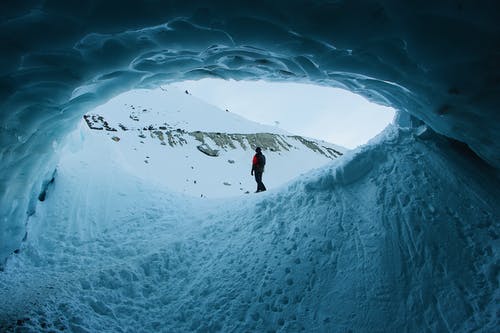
column 198, row 137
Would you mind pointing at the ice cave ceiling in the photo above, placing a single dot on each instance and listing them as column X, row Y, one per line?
column 438, row 62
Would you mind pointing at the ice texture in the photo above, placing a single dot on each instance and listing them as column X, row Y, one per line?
column 421, row 219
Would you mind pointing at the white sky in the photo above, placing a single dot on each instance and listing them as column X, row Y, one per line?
column 334, row 115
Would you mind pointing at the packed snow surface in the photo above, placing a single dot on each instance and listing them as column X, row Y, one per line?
column 375, row 242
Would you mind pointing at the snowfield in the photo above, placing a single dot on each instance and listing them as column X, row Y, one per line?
column 162, row 140
column 375, row 242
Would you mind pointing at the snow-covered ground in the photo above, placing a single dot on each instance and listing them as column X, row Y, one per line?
column 374, row 242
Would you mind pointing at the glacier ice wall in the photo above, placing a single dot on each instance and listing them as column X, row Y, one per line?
column 437, row 62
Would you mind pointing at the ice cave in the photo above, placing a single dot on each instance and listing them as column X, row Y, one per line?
column 399, row 235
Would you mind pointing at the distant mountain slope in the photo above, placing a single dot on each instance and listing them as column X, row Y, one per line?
column 179, row 109
column 189, row 146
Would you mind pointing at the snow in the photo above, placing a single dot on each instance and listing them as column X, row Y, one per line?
column 374, row 242
column 182, row 111
column 400, row 235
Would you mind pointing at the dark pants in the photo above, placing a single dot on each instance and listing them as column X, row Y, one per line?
column 258, row 179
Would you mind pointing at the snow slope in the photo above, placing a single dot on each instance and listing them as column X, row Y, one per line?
column 378, row 241
column 180, row 109
column 157, row 135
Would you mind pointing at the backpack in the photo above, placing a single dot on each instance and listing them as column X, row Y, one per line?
column 261, row 160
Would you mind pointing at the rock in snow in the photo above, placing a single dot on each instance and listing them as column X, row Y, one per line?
column 205, row 149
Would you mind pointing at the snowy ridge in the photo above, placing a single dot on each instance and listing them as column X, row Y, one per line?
column 356, row 246
column 167, row 135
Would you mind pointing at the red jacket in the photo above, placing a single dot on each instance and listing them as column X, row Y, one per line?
column 258, row 163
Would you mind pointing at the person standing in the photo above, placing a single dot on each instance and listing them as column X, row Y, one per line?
column 258, row 163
